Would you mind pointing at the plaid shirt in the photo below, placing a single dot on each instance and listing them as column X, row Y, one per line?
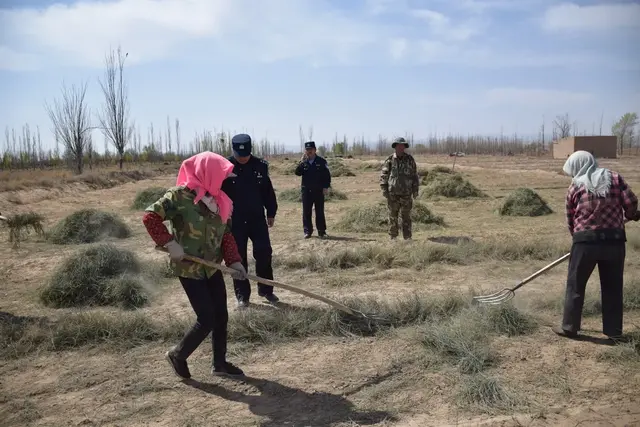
column 586, row 211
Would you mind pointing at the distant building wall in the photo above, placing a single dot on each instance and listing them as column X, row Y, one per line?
column 563, row 148
column 602, row 147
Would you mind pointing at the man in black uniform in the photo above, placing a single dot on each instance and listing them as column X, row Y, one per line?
column 252, row 193
column 316, row 180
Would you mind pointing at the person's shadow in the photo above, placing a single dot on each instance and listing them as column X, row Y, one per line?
column 287, row 406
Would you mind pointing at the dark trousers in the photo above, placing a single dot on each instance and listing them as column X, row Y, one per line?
column 256, row 230
column 609, row 257
column 311, row 198
column 208, row 298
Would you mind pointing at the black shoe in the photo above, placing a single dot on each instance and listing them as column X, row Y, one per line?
column 179, row 366
column 272, row 298
column 307, row 235
column 322, row 235
column 227, row 368
column 564, row 333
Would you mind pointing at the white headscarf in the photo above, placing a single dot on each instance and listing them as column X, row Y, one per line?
column 582, row 166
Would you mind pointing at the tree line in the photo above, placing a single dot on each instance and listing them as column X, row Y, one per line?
column 74, row 148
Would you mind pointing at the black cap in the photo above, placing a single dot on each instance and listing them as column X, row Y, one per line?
column 241, row 144
column 309, row 144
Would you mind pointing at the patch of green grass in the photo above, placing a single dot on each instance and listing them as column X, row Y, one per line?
column 449, row 185
column 524, row 202
column 146, row 197
column 375, row 218
column 88, row 226
column 21, row 224
column 295, row 195
column 99, row 275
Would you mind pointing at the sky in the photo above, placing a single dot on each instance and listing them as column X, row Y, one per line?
column 351, row 67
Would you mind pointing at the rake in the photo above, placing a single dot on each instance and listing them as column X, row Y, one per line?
column 507, row 294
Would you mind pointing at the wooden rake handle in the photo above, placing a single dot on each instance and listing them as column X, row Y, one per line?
column 269, row 282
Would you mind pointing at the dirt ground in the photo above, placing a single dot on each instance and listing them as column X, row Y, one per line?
column 325, row 381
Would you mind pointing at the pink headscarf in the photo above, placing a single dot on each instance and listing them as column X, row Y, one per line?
column 204, row 173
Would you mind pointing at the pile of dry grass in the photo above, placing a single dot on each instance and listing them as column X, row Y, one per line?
column 88, row 226
column 438, row 183
column 375, row 218
column 524, row 202
column 20, row 225
column 147, row 196
column 338, row 167
column 101, row 275
column 295, row 195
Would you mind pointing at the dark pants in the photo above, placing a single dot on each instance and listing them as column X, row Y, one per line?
column 256, row 230
column 609, row 257
column 208, row 297
column 311, row 198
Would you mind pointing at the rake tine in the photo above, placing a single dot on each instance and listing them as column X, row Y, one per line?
column 497, row 298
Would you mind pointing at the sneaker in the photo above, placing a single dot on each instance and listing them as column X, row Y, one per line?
column 179, row 366
column 564, row 333
column 227, row 369
column 307, row 235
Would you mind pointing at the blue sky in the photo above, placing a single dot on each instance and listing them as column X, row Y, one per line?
column 358, row 67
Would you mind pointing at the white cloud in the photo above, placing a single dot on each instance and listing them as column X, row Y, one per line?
column 606, row 16
column 398, row 47
column 535, row 97
column 442, row 26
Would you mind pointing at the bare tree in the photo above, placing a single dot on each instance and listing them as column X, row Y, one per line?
column 72, row 122
column 115, row 114
column 624, row 129
column 562, row 126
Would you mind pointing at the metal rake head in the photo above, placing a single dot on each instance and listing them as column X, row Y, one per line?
column 496, row 298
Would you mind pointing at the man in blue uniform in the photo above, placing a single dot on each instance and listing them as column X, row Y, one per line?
column 316, row 180
column 252, row 193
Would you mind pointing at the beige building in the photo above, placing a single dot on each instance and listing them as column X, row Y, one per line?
column 602, row 147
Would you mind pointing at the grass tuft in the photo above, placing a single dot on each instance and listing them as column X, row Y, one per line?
column 375, row 218
column 508, row 320
column 100, row 275
column 20, row 225
column 295, row 195
column 147, row 196
column 524, row 202
column 449, row 185
column 486, row 394
column 338, row 168
column 88, row 226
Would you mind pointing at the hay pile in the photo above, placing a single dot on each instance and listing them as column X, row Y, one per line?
column 88, row 226
column 375, row 218
column 448, row 184
column 100, row 275
column 294, row 195
column 147, row 196
column 524, row 202
column 338, row 168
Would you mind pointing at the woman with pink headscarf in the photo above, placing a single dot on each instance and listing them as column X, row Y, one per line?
column 199, row 213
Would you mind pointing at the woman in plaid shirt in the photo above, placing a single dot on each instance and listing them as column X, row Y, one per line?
column 597, row 203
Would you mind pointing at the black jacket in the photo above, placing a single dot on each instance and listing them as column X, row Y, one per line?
column 315, row 176
column 251, row 190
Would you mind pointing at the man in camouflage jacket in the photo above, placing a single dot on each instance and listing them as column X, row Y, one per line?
column 399, row 182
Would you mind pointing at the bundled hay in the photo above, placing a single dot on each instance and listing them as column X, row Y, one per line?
column 100, row 275
column 338, row 168
column 147, row 196
column 524, row 202
column 294, row 195
column 88, row 226
column 21, row 224
column 375, row 218
column 450, row 185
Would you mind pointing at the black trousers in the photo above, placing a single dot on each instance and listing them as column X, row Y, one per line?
column 311, row 198
column 255, row 229
column 609, row 257
column 208, row 298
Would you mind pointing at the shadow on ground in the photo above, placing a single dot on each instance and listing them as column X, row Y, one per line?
column 281, row 405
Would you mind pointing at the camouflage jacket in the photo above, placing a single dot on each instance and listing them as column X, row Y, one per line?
column 199, row 231
column 400, row 175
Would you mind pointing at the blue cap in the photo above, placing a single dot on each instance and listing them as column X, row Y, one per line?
column 241, row 144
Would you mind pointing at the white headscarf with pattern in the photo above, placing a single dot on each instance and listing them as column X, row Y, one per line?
column 584, row 170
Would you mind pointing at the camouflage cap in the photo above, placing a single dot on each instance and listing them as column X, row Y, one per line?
column 399, row 140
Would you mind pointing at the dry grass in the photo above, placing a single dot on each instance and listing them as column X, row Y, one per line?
column 88, row 226
column 146, row 197
column 295, row 195
column 375, row 218
column 20, row 225
column 448, row 184
column 99, row 275
column 524, row 202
